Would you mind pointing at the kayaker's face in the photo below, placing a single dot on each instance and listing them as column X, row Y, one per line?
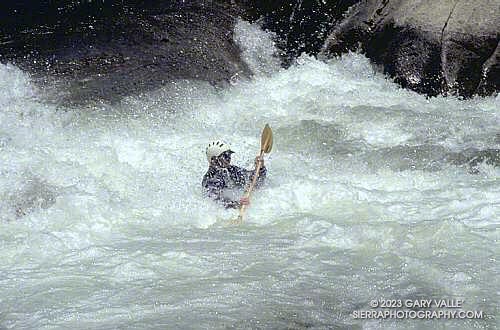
column 224, row 160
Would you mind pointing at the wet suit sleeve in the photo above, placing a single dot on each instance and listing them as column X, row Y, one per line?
column 262, row 176
column 243, row 177
column 246, row 176
column 213, row 188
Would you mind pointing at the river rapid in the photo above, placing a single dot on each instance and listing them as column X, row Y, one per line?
column 103, row 224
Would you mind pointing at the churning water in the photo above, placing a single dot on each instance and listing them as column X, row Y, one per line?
column 103, row 224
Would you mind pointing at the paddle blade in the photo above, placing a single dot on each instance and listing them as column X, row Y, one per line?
column 266, row 140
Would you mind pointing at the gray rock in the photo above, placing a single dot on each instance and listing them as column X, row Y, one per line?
column 103, row 51
column 432, row 47
column 301, row 25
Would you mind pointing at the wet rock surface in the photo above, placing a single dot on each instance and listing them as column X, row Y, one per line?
column 301, row 26
column 444, row 47
column 107, row 50
column 448, row 47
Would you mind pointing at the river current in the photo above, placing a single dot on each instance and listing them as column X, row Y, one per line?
column 103, row 224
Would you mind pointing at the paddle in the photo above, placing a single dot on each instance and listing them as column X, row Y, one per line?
column 266, row 144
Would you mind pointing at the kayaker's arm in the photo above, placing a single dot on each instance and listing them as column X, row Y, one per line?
column 243, row 177
column 262, row 171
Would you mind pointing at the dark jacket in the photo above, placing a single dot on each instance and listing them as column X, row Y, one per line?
column 217, row 180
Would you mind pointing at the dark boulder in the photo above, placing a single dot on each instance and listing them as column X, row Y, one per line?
column 108, row 49
column 301, row 26
column 432, row 47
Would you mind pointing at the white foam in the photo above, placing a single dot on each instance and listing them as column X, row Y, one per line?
column 113, row 195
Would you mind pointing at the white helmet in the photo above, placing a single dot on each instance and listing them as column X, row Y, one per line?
column 216, row 148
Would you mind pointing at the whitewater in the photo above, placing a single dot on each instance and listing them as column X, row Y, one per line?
column 103, row 224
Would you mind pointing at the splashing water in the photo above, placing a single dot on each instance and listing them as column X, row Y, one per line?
column 103, row 224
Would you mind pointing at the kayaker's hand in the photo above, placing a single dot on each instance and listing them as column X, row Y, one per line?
column 245, row 201
column 259, row 159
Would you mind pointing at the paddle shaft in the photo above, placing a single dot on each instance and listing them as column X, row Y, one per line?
column 252, row 185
